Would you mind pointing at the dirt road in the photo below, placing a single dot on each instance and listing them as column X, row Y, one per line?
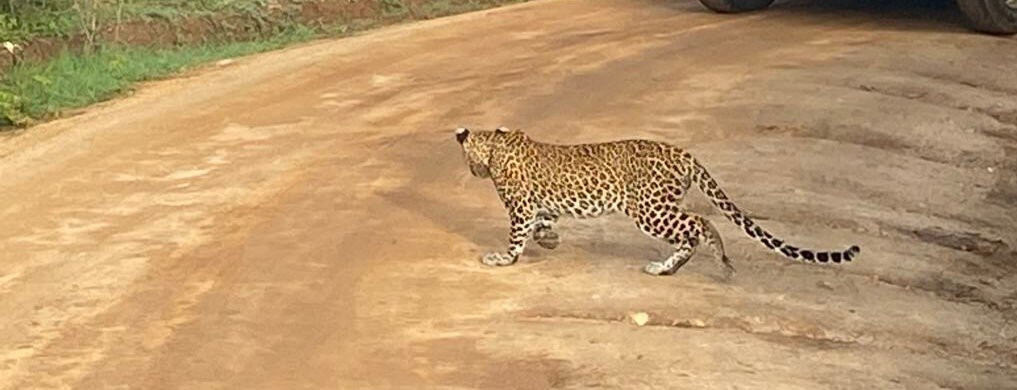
column 303, row 219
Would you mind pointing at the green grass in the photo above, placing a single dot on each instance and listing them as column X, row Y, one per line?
column 36, row 91
column 29, row 23
column 22, row 20
column 438, row 8
column 70, row 80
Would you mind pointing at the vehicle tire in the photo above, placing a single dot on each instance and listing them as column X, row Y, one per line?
column 735, row 6
column 990, row 16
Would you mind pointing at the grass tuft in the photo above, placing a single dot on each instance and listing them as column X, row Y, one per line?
column 40, row 90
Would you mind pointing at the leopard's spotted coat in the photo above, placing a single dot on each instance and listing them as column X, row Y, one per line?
column 538, row 182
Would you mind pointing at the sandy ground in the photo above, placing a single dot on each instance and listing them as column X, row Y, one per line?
column 303, row 219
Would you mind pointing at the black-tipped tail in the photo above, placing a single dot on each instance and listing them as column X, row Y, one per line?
column 826, row 257
column 709, row 186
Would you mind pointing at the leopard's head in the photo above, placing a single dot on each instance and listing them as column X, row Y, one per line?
column 479, row 146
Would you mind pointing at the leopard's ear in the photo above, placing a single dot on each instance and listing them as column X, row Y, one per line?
column 501, row 130
column 461, row 134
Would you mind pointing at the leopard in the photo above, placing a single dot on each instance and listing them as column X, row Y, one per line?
column 646, row 180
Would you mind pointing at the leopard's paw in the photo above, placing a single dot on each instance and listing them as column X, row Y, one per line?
column 547, row 238
column 656, row 268
column 498, row 259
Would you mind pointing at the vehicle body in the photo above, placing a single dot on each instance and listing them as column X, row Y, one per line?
column 988, row 16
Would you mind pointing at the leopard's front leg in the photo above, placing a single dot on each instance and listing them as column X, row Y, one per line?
column 543, row 230
column 521, row 216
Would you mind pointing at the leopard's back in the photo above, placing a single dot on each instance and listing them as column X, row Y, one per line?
column 590, row 180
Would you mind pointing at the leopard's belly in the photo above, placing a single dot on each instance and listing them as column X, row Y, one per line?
column 585, row 203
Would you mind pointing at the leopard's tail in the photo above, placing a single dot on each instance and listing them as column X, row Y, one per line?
column 702, row 178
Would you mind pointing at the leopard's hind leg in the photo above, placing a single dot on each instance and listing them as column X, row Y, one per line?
column 711, row 237
column 682, row 254
column 656, row 207
column 685, row 232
